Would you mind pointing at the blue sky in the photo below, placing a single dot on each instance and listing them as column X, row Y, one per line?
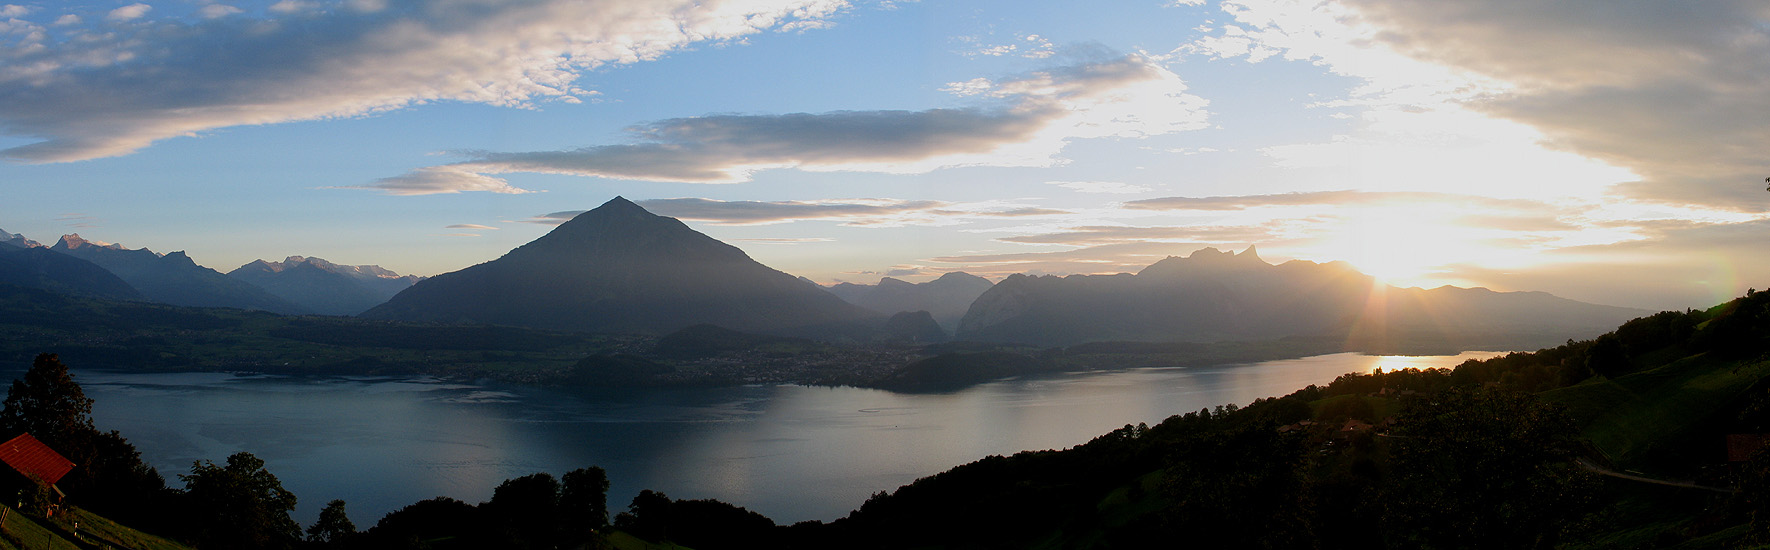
column 1604, row 151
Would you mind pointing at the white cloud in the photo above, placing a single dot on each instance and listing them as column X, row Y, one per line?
column 129, row 12
column 1112, row 187
column 69, row 19
column 213, row 11
column 113, row 93
column 1038, row 115
column 14, row 10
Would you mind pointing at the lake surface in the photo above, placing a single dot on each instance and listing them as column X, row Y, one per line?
column 792, row 453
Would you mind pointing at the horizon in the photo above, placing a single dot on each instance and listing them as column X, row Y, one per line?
column 1611, row 159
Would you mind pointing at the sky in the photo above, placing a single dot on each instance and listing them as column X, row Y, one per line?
column 1601, row 150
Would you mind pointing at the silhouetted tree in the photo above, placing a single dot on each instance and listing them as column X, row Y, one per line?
column 109, row 476
column 334, row 526
column 240, row 506
column 47, row 404
column 526, row 509
column 583, row 503
column 1483, row 468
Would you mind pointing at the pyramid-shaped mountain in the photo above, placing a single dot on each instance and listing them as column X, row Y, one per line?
column 619, row 268
column 1219, row 295
column 173, row 278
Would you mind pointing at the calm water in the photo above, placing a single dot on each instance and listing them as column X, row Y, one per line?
column 790, row 452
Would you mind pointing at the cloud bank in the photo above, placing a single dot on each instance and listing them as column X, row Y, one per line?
column 128, row 80
column 1032, row 117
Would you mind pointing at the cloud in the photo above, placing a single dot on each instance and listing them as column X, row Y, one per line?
column 1107, row 234
column 1672, row 95
column 1128, row 257
column 1329, row 198
column 759, row 212
column 433, row 180
column 469, row 226
column 1111, row 187
column 786, row 241
column 1032, row 118
column 213, row 11
column 89, row 94
column 129, row 12
column 555, row 218
column 14, row 10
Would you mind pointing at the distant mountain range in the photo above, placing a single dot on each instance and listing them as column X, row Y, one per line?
column 619, row 268
column 323, row 287
column 946, row 298
column 41, row 268
column 173, row 278
column 1218, row 295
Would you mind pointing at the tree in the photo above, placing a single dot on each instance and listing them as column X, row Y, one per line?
column 47, row 404
column 109, row 476
column 527, row 510
column 583, row 503
column 333, row 527
column 1483, row 468
column 238, row 506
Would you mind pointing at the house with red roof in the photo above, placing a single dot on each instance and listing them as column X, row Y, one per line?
column 35, row 463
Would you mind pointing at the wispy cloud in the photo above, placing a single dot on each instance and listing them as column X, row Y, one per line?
column 1033, row 117
column 761, row 212
column 98, row 91
column 1109, row 187
column 1628, row 99
column 469, row 226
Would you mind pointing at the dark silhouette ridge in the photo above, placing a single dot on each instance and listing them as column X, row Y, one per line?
column 173, row 278
column 1218, row 295
column 619, row 268
column 324, row 287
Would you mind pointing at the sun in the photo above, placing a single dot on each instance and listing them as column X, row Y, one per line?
column 1406, row 247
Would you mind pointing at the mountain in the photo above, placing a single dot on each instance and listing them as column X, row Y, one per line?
column 1219, row 295
column 946, row 298
column 17, row 240
column 173, row 278
column 42, row 268
column 324, row 287
column 619, row 268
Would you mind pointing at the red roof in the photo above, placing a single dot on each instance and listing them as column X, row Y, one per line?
column 31, row 457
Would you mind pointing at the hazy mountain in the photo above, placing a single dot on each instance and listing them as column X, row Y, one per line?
column 946, row 298
column 619, row 268
column 324, row 287
column 1214, row 296
column 173, row 278
column 39, row 267
column 17, row 240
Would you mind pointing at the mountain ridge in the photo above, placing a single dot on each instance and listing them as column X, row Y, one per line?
column 620, row 268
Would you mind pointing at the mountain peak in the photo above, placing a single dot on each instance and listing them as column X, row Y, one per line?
column 73, row 240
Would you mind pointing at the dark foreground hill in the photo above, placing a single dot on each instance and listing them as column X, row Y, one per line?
column 1216, row 296
column 619, row 268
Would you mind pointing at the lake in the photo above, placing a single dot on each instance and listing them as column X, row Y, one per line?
column 792, row 453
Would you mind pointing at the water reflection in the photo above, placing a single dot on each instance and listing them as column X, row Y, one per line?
column 789, row 452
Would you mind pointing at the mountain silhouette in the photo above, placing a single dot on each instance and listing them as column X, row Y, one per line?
column 619, row 268
column 1219, row 295
column 324, row 287
column 173, row 278
column 945, row 298
column 42, row 268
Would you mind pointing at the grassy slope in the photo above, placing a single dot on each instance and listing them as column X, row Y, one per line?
column 1630, row 417
column 24, row 532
